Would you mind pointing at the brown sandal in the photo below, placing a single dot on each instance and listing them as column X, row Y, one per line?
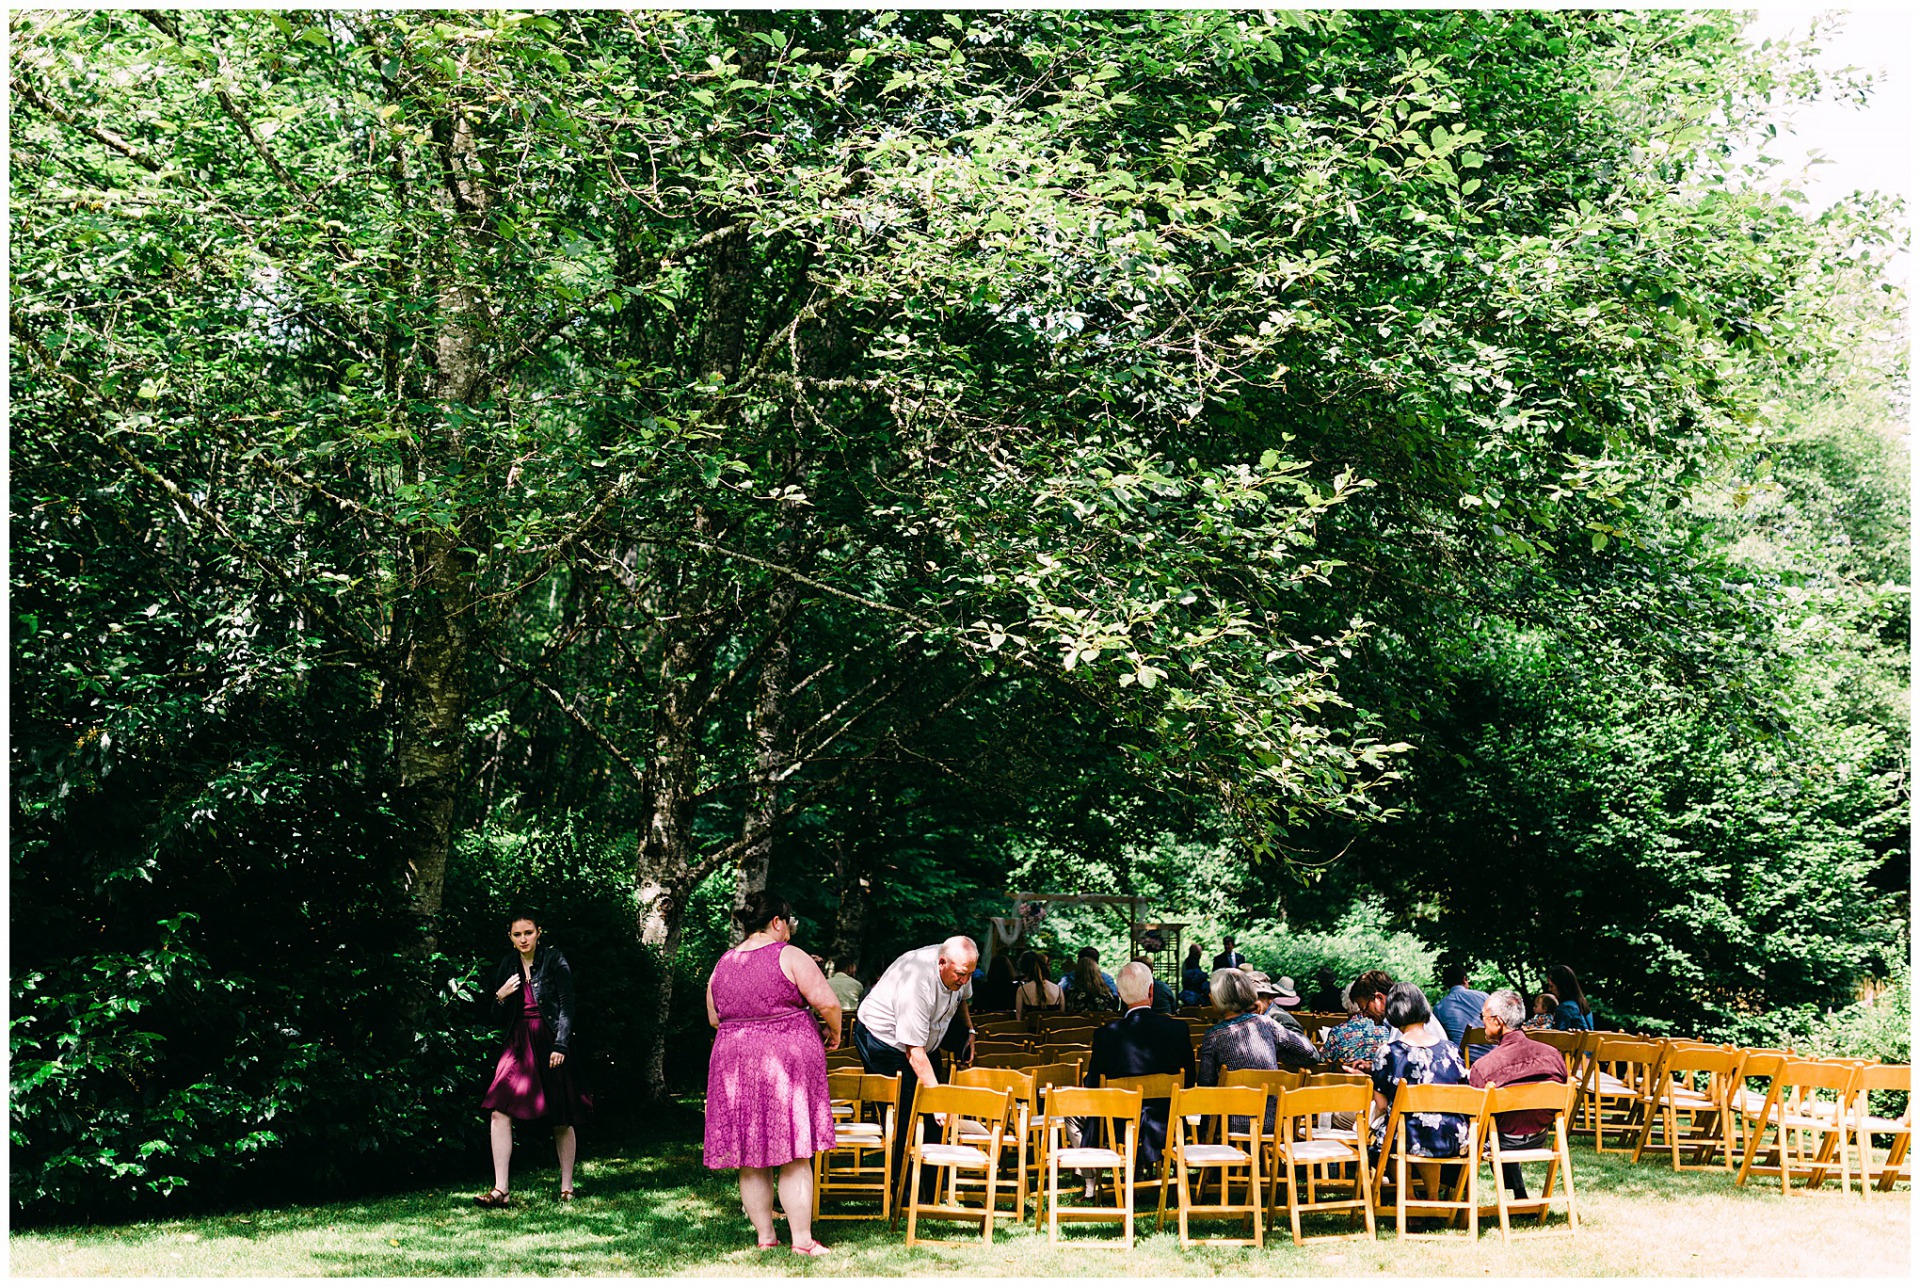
column 494, row 1198
column 566, row 1195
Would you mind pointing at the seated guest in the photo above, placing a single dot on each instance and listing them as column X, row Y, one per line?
column 1037, row 990
column 1459, row 1009
column 996, row 993
column 1139, row 1043
column 1246, row 1038
column 1092, row 954
column 1354, row 1042
column 1515, row 1060
column 1420, row 1057
column 1326, row 997
column 1163, row 1000
column 1571, row 1013
column 845, row 986
column 1266, row 994
column 1541, row 1019
column 1087, row 988
column 1288, row 999
column 1193, row 979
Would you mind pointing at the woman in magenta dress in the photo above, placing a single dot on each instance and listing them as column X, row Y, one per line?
column 533, row 996
column 768, row 1111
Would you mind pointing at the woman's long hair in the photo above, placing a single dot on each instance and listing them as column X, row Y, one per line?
column 1561, row 980
column 1086, row 977
column 1035, row 969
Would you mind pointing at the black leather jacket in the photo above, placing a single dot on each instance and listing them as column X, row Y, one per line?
column 552, row 988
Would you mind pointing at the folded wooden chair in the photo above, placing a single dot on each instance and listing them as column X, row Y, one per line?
column 1304, row 1151
column 1537, row 1096
column 1394, row 1170
column 860, row 1163
column 1114, row 1117
column 956, row 1104
column 1895, row 1166
column 1201, row 1113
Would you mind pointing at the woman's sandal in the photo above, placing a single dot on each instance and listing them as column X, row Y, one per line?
column 811, row 1249
column 767, row 1246
column 566, row 1195
column 494, row 1198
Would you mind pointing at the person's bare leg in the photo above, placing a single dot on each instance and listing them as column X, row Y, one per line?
column 796, row 1199
column 565, row 1146
column 756, row 1196
column 502, row 1149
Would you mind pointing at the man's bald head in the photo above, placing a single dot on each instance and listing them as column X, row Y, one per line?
column 1136, row 983
column 958, row 956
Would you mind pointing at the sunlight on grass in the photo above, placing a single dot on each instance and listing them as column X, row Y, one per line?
column 659, row 1212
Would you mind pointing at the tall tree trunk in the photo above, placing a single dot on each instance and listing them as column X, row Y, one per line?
column 850, row 878
column 433, row 702
column 769, row 732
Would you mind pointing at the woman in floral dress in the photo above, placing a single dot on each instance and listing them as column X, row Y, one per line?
column 1418, row 1057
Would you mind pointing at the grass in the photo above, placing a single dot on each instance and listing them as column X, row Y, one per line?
column 648, row 1207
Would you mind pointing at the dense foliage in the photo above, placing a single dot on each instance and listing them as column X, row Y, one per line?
column 1385, row 483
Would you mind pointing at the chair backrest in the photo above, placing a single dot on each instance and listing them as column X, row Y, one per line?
column 1537, row 1096
column 1056, row 1074
column 988, row 1107
column 1808, row 1074
column 1338, row 1079
column 1712, row 1060
column 1017, row 1084
column 1310, row 1101
column 995, row 1046
column 1475, row 1036
column 1569, row 1044
column 1009, row 1059
column 1149, row 1085
column 1119, row 1108
column 1268, row 1079
column 1009, row 1027
column 1886, row 1077
column 1220, row 1103
column 1466, row 1100
column 1631, row 1059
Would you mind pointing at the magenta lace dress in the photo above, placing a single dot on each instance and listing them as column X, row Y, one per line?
column 767, row 1100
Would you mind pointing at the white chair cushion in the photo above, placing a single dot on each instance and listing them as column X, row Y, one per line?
column 1320, row 1150
column 1888, row 1126
column 857, row 1133
column 953, row 1155
column 1213, row 1155
column 1608, row 1084
column 1336, row 1133
column 1527, row 1155
column 1090, row 1157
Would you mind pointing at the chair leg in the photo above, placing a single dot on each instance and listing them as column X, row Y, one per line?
column 913, row 1202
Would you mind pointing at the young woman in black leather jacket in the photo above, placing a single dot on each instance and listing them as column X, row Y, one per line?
column 533, row 999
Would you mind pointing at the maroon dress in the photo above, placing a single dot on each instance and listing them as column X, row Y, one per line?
column 767, row 1101
column 523, row 1086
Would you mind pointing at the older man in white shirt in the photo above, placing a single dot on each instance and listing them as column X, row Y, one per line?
column 906, row 1014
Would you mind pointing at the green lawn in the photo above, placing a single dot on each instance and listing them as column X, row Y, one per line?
column 647, row 1207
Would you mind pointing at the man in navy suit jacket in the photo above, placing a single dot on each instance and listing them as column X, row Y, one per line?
column 1140, row 1042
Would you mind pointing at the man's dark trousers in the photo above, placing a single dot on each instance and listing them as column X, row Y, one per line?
column 876, row 1056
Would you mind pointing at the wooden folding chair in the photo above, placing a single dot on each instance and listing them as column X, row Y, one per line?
column 1533, row 1097
column 1470, row 1038
column 1117, row 1114
column 844, row 1058
column 1154, row 1086
column 1617, row 1089
column 1395, row 1160
column 957, row 1104
column 1053, row 1052
column 1885, row 1077
column 1678, row 1093
column 860, row 1163
column 984, row 1046
column 1792, row 1113
column 1035, row 1144
column 1018, row 1086
column 1301, row 1146
column 1235, row 1155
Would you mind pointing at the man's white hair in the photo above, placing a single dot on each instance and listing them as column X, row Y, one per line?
column 1136, row 983
column 960, row 948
